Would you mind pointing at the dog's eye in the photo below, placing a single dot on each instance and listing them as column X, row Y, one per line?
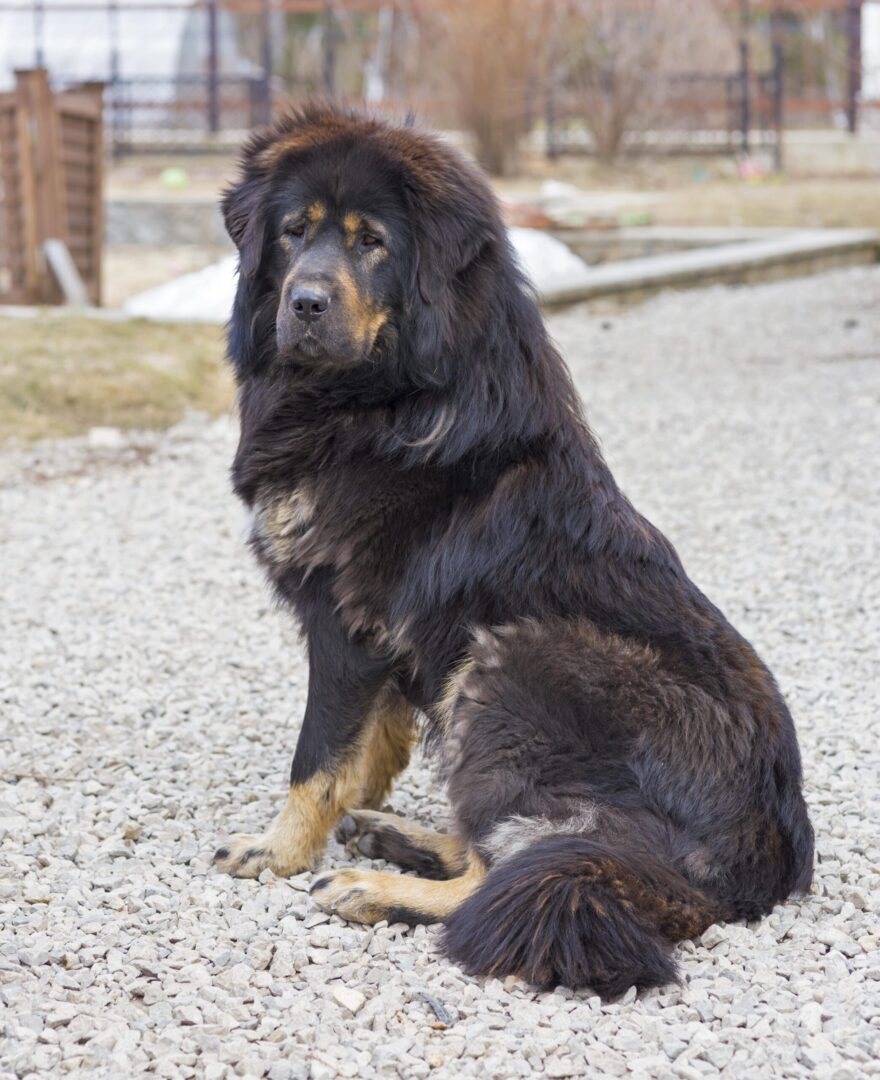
column 369, row 240
column 296, row 230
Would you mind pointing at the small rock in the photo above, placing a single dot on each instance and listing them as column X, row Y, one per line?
column 105, row 438
column 713, row 936
column 62, row 1014
column 810, row 1017
column 562, row 1066
column 353, row 1000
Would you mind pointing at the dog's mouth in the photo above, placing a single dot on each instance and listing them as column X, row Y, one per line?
column 295, row 342
column 322, row 344
column 309, row 345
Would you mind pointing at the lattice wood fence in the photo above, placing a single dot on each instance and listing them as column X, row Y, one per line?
column 51, row 188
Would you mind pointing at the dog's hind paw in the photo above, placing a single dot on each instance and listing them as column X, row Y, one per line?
column 413, row 847
column 353, row 895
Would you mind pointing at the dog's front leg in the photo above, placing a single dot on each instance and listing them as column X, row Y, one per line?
column 335, row 755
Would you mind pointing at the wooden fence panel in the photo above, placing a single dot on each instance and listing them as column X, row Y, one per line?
column 18, row 269
column 82, row 153
column 51, row 186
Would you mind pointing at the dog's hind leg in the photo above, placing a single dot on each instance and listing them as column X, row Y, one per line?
column 412, row 847
column 368, row 896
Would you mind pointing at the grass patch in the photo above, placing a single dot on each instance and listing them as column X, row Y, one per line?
column 62, row 374
column 775, row 203
column 706, row 192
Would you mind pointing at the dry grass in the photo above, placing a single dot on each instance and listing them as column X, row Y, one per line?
column 707, row 192
column 788, row 204
column 62, row 374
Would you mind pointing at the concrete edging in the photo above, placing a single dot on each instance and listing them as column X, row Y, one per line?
column 798, row 252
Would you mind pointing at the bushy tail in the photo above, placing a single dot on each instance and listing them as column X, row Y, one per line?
column 571, row 911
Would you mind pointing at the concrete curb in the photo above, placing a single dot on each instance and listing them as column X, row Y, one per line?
column 806, row 251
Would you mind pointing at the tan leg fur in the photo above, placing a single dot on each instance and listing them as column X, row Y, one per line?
column 299, row 833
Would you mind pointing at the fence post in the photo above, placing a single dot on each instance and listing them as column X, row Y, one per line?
column 266, row 61
column 776, row 37
column 22, row 180
column 39, row 29
column 854, row 66
column 213, row 68
column 745, row 119
column 115, row 73
column 778, row 103
column 329, row 43
column 50, row 200
column 97, row 90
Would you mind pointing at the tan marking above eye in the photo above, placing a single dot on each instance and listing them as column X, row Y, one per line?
column 297, row 222
column 357, row 227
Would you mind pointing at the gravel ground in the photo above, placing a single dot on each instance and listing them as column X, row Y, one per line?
column 151, row 693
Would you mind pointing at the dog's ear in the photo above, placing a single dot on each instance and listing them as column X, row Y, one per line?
column 244, row 213
column 453, row 227
column 448, row 244
column 456, row 226
column 243, row 208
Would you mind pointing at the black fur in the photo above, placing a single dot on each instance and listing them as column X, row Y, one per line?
column 463, row 515
column 554, row 917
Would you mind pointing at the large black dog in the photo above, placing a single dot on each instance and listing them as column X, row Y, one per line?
column 427, row 497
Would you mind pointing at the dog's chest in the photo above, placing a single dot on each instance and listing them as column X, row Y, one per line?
column 300, row 531
column 360, row 539
column 280, row 525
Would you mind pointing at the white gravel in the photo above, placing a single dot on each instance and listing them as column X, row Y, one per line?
column 151, row 693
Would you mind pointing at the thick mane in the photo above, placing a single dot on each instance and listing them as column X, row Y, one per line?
column 469, row 369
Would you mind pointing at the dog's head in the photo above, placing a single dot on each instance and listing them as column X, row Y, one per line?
column 358, row 241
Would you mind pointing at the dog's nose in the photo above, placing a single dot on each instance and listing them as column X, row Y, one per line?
column 309, row 304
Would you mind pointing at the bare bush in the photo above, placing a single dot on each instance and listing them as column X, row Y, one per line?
column 610, row 63
column 490, row 53
column 615, row 59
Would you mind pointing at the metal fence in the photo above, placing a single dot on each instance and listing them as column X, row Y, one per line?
column 186, row 113
column 194, row 75
column 697, row 113
column 221, row 66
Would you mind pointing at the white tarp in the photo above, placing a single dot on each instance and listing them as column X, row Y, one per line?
column 152, row 40
column 871, row 50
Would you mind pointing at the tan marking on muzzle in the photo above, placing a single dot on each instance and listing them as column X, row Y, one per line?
column 364, row 320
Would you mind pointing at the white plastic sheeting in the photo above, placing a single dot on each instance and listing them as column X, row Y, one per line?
column 152, row 40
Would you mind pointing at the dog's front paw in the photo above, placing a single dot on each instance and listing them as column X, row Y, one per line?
column 247, row 856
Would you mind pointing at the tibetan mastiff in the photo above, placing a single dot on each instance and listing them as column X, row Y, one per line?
column 429, row 500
